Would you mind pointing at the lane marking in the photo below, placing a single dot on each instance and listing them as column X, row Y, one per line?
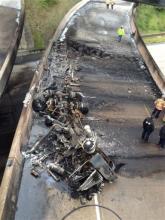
column 98, row 216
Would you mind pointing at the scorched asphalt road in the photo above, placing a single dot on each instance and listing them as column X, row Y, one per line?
column 121, row 93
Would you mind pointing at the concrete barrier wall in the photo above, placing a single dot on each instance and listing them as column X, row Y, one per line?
column 7, row 66
column 12, row 176
column 155, row 71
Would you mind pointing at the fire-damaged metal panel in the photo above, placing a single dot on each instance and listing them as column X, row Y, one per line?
column 102, row 166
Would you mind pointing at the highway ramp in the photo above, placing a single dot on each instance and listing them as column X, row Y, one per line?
column 122, row 93
column 11, row 25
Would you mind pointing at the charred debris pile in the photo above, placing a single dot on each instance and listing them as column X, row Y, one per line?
column 69, row 151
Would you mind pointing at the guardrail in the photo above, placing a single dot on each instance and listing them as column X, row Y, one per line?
column 153, row 68
column 7, row 66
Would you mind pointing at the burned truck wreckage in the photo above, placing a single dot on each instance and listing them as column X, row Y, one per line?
column 69, row 152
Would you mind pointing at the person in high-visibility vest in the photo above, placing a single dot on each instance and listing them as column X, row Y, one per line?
column 120, row 33
column 159, row 106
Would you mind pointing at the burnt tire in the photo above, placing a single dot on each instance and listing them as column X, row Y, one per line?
column 48, row 122
column 83, row 107
column 38, row 105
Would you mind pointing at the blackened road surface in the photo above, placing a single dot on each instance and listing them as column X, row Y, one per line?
column 121, row 94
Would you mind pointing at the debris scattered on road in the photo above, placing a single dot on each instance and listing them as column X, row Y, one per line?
column 69, row 151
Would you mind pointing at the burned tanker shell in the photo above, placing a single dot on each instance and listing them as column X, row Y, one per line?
column 56, row 168
column 94, row 179
column 68, row 151
column 38, row 105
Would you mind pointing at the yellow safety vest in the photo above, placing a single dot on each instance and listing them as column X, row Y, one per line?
column 121, row 32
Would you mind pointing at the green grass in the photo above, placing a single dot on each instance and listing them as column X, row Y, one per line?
column 150, row 40
column 44, row 17
column 47, row 3
column 151, row 20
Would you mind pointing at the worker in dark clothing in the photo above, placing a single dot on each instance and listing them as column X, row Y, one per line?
column 148, row 128
column 162, row 137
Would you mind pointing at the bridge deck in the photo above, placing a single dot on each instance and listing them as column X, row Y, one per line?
column 123, row 94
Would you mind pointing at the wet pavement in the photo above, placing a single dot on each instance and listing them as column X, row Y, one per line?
column 120, row 93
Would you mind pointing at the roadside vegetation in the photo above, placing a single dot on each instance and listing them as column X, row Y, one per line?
column 44, row 17
column 151, row 20
column 158, row 39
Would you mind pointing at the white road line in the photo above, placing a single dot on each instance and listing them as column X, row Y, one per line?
column 98, row 217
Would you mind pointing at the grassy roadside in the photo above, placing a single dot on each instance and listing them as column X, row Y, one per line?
column 150, row 40
column 151, row 20
column 44, row 17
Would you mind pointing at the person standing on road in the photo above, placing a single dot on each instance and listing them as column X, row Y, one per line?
column 112, row 3
column 162, row 137
column 107, row 3
column 159, row 106
column 120, row 33
column 148, row 128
